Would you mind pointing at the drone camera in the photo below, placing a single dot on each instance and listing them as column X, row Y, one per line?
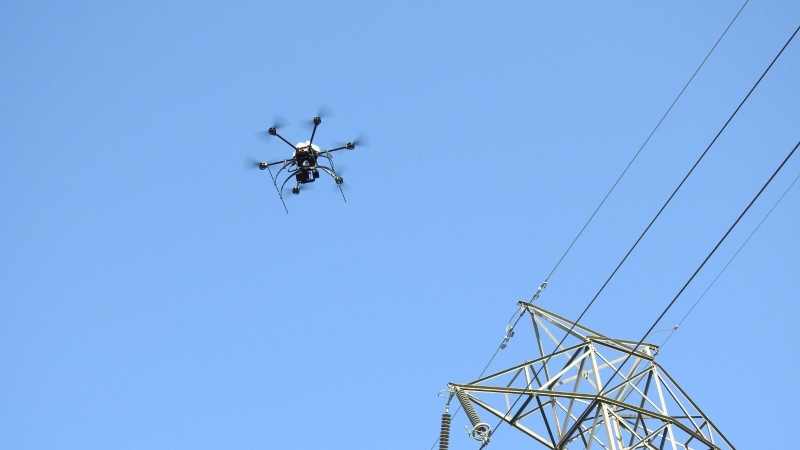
column 296, row 190
column 304, row 177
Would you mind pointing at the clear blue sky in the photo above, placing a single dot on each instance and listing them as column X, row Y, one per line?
column 153, row 294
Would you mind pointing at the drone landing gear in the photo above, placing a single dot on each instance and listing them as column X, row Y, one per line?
column 339, row 180
column 302, row 176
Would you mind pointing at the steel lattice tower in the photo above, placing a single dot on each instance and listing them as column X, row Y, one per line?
column 641, row 408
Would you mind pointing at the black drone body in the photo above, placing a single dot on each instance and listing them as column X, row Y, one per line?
column 305, row 164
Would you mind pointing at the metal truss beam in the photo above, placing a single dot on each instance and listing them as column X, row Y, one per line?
column 643, row 407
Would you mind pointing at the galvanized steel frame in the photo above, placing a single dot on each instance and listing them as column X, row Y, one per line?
column 544, row 397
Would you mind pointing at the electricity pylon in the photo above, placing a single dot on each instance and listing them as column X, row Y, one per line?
column 570, row 398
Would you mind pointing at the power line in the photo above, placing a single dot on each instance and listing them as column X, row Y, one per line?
column 661, row 347
column 659, row 213
column 544, row 284
column 591, row 405
column 602, row 202
column 646, row 141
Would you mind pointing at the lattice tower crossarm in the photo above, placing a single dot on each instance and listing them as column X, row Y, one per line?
column 642, row 407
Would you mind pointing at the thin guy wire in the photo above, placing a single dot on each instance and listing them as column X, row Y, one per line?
column 646, row 141
column 661, row 347
column 656, row 217
column 591, row 405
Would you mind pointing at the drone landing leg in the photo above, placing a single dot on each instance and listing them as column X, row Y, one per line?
column 340, row 190
column 335, row 177
column 276, row 188
column 284, row 204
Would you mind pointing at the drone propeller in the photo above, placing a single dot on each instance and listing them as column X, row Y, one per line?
column 251, row 162
column 361, row 141
column 277, row 123
column 322, row 112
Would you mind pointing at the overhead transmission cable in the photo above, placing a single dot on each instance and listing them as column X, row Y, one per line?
column 656, row 216
column 672, row 331
column 646, row 141
column 544, row 284
column 585, row 225
column 592, row 404
column 602, row 202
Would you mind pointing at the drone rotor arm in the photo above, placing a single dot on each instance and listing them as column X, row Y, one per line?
column 327, row 153
column 267, row 165
column 314, row 130
column 344, row 147
column 284, row 140
column 274, row 163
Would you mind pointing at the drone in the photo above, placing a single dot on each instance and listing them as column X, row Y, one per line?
column 306, row 162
